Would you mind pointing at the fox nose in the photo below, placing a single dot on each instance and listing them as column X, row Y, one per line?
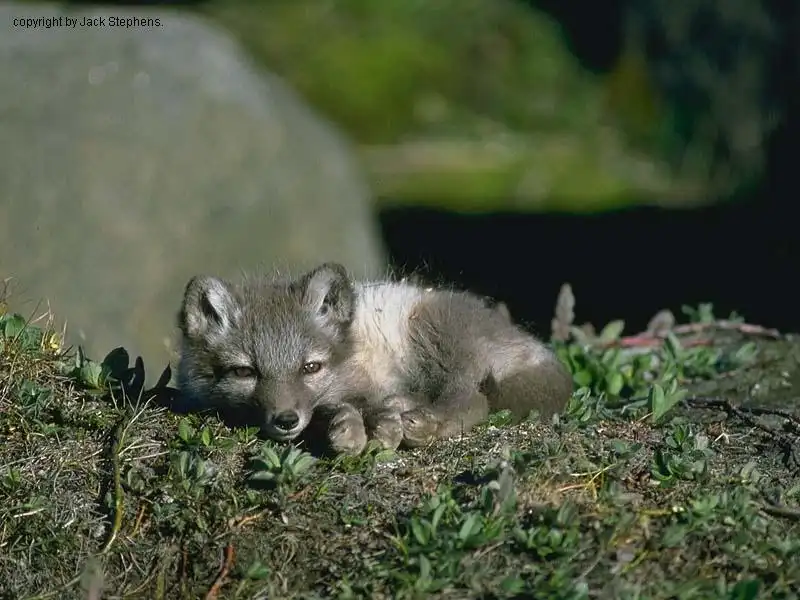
column 287, row 420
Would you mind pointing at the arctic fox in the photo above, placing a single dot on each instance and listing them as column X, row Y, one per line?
column 391, row 361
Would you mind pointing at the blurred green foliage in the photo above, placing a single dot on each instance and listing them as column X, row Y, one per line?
column 388, row 69
column 469, row 105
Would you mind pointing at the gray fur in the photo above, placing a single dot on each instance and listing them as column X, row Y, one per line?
column 399, row 362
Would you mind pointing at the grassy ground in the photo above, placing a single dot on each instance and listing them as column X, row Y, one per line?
column 661, row 480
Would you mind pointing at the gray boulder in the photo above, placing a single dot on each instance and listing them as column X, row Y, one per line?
column 135, row 157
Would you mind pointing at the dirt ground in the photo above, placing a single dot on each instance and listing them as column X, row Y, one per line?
column 672, row 474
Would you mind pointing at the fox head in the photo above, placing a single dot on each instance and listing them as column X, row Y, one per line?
column 270, row 348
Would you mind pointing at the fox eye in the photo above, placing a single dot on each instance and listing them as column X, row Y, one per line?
column 243, row 372
column 311, row 367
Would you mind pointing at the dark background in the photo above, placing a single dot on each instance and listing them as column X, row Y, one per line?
column 626, row 264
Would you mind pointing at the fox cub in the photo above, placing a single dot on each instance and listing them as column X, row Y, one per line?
column 390, row 361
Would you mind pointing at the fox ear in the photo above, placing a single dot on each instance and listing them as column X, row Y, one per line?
column 327, row 291
column 209, row 307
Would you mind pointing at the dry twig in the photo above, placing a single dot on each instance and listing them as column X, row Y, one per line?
column 748, row 415
column 225, row 569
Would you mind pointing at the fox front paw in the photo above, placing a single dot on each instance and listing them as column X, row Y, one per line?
column 420, row 427
column 346, row 433
column 386, row 428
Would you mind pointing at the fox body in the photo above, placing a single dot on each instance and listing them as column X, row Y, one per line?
column 392, row 361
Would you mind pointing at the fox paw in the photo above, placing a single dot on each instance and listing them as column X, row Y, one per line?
column 386, row 428
column 420, row 427
column 346, row 433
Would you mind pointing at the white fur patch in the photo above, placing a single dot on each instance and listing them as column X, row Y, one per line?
column 381, row 330
column 224, row 304
column 221, row 300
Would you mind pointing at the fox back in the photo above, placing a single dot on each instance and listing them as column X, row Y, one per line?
column 273, row 351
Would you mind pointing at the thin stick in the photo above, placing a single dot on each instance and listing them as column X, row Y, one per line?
column 227, row 565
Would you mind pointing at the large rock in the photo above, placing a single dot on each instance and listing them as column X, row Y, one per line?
column 133, row 158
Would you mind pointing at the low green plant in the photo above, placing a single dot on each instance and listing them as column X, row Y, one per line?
column 281, row 468
column 684, row 455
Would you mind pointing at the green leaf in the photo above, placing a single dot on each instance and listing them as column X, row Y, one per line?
column 673, row 536
column 424, row 568
column 673, row 346
column 513, row 585
column 385, row 455
column 303, row 463
column 13, row 325
column 612, row 358
column 264, row 475
column 746, row 590
column 579, row 335
column 257, row 571
column 419, row 531
column 91, row 374
column 582, row 378
column 471, row 526
column 437, row 515
column 270, row 456
column 205, row 437
column 105, row 376
column 185, row 430
column 749, row 472
column 614, row 383
column 183, row 462
column 612, row 331
column 746, row 353
column 661, row 403
column 501, row 418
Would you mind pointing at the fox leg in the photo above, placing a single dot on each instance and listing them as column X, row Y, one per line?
column 454, row 412
column 346, row 432
column 385, row 427
column 384, row 421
